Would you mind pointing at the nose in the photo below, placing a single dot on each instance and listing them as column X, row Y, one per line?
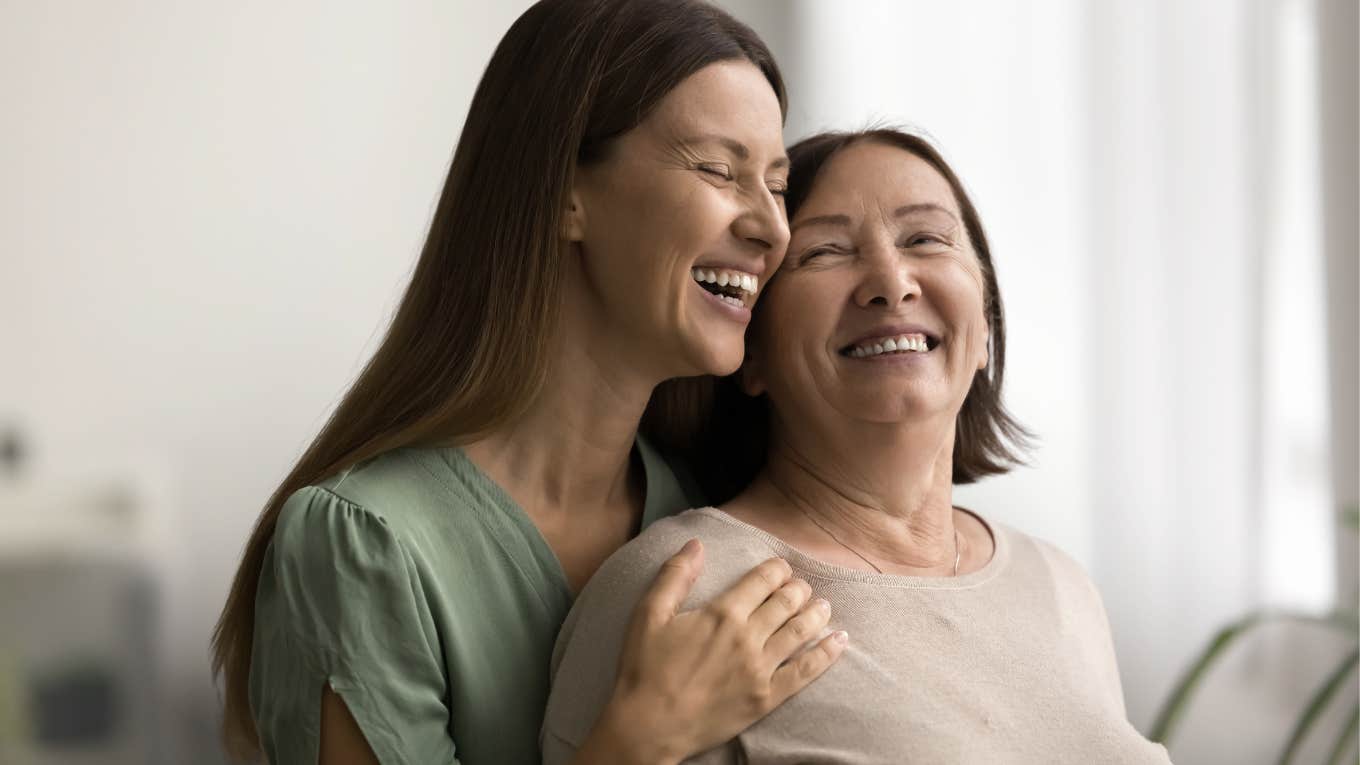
column 888, row 281
column 762, row 223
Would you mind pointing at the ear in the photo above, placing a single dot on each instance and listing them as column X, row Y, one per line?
column 574, row 218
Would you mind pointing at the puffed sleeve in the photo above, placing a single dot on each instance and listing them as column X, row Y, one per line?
column 341, row 601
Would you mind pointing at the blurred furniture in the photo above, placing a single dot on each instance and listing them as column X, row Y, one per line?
column 78, row 616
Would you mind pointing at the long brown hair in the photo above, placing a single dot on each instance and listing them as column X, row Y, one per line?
column 467, row 348
column 724, row 433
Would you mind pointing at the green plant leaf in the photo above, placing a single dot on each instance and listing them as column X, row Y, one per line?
column 1324, row 694
column 1350, row 516
column 1173, row 709
column 1347, row 735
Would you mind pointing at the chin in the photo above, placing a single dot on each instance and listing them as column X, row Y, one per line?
column 720, row 357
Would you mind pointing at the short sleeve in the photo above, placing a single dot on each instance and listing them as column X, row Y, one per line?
column 341, row 601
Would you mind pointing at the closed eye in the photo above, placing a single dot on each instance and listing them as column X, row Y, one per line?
column 718, row 171
column 924, row 239
column 817, row 252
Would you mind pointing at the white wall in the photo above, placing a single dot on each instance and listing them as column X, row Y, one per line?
column 1140, row 170
column 207, row 211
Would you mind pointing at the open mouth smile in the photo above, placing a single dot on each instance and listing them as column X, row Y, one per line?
column 910, row 343
column 736, row 288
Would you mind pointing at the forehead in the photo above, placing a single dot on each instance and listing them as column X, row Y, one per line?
column 728, row 98
column 871, row 176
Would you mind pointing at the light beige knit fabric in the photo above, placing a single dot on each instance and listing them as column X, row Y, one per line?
column 1009, row 664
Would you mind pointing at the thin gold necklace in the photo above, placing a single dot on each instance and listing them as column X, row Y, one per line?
column 958, row 548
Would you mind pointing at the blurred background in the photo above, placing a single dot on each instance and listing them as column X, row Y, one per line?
column 208, row 211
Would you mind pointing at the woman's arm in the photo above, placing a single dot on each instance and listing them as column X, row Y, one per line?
column 341, row 663
column 689, row 681
column 342, row 743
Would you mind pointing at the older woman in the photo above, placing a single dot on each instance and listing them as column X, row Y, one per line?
column 876, row 356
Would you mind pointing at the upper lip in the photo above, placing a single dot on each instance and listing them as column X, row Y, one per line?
column 894, row 330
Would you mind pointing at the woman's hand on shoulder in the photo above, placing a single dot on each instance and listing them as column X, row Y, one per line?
column 690, row 681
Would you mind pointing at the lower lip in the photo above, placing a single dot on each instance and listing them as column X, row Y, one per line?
column 736, row 313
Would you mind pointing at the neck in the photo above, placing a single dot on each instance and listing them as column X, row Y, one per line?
column 571, row 446
column 885, row 492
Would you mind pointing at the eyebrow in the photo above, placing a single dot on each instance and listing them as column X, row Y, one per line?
column 844, row 220
column 736, row 147
column 921, row 207
column 821, row 220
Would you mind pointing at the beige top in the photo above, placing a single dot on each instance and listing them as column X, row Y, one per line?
column 1012, row 663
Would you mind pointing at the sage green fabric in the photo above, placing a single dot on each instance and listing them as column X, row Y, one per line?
column 418, row 589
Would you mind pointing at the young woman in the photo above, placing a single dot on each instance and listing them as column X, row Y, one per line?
column 612, row 208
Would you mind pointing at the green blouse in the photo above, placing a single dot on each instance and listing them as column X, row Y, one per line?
column 427, row 599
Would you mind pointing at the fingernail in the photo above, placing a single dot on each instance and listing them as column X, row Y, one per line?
column 691, row 547
column 841, row 637
column 821, row 604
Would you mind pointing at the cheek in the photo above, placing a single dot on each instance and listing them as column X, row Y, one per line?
column 963, row 292
column 784, row 334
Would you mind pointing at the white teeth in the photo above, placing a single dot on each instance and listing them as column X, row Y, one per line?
column 724, row 277
column 903, row 343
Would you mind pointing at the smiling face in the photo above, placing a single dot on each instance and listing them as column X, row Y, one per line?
column 678, row 226
column 877, row 314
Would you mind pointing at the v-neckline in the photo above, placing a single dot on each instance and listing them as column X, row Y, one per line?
column 655, row 474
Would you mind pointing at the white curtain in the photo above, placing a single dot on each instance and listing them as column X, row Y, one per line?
column 1148, row 173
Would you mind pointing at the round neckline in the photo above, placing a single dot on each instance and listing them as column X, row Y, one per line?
column 805, row 563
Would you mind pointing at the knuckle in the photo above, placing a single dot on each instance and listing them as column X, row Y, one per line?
column 821, row 658
column 725, row 616
column 758, row 698
column 774, row 571
column 817, row 616
column 767, row 576
column 807, row 665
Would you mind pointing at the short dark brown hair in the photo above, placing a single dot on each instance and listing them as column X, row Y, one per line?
column 730, row 449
